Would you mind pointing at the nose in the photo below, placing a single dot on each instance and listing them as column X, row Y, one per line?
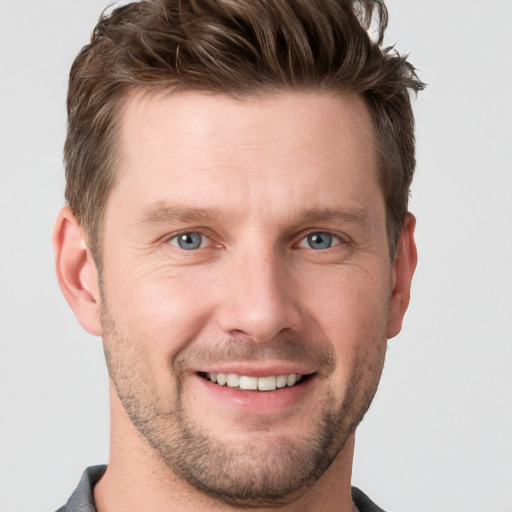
column 259, row 300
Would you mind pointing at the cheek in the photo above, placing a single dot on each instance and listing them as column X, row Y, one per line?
column 348, row 303
column 349, row 308
column 150, row 319
column 160, row 313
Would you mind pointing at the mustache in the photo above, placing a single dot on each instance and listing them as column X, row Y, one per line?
column 294, row 349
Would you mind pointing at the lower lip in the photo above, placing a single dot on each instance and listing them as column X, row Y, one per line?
column 258, row 401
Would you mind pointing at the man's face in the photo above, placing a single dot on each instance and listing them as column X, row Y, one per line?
column 246, row 241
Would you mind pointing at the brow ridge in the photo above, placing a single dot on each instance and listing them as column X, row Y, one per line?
column 164, row 213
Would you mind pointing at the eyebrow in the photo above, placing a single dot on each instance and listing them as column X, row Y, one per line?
column 165, row 213
column 356, row 215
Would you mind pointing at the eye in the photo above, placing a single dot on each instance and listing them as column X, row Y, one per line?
column 189, row 241
column 319, row 240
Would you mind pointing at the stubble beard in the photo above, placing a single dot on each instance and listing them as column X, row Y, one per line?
column 244, row 474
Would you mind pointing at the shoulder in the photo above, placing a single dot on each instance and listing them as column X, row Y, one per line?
column 82, row 498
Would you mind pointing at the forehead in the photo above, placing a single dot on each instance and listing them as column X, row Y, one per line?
column 290, row 147
column 217, row 121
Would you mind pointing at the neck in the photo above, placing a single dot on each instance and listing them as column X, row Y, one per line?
column 137, row 479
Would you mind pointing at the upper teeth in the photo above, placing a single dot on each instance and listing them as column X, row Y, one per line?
column 269, row 383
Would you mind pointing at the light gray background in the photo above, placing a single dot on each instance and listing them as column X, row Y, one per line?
column 439, row 434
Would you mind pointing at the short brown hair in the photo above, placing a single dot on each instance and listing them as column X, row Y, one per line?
column 241, row 48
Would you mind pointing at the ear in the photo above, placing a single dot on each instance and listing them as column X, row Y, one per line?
column 76, row 271
column 404, row 264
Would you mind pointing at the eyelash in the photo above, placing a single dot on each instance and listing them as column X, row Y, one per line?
column 336, row 240
column 204, row 239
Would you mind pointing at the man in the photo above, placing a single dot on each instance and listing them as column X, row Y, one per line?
column 237, row 232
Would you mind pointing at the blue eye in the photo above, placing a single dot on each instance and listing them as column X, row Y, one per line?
column 319, row 241
column 188, row 241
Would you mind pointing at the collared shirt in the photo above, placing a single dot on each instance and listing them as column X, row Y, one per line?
column 82, row 499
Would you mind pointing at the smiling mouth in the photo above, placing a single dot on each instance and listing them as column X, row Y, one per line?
column 249, row 383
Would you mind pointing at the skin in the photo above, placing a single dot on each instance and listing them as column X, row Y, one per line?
column 254, row 178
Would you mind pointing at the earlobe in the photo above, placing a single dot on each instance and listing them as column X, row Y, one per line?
column 76, row 271
column 404, row 264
